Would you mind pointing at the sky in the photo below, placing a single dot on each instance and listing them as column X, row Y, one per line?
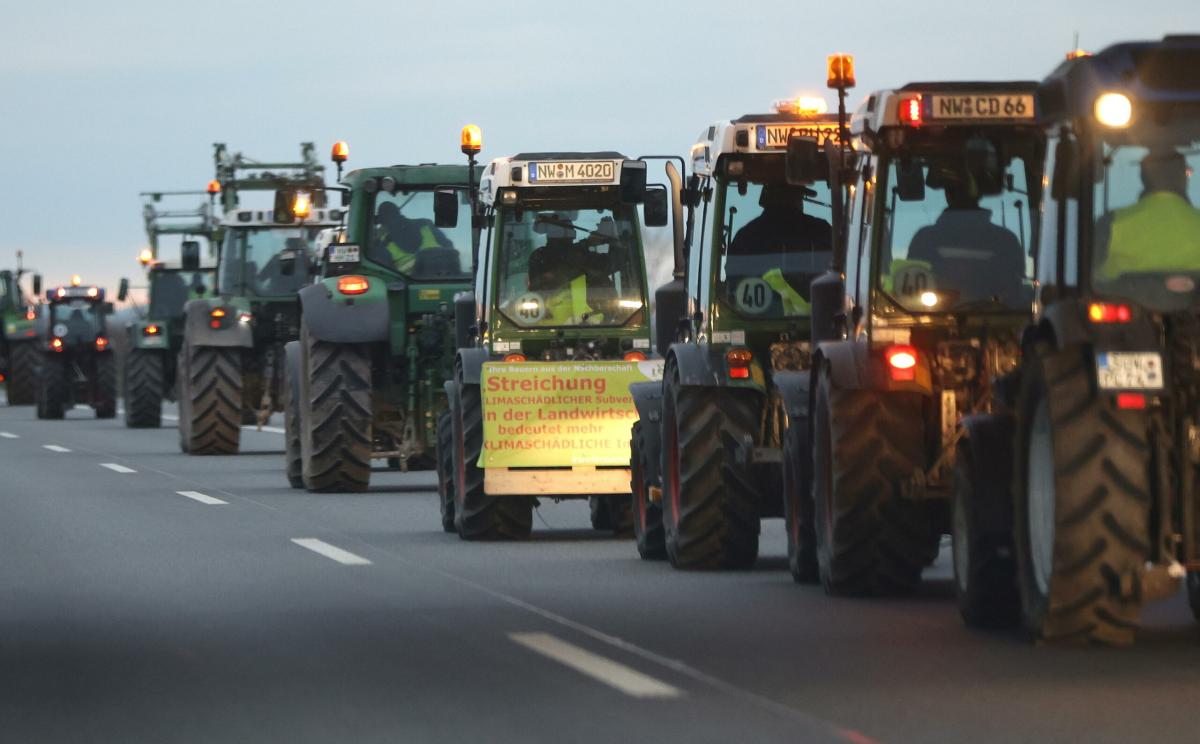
column 99, row 101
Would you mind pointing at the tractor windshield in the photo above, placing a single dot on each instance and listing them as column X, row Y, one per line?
column 250, row 260
column 403, row 236
column 77, row 320
column 955, row 224
column 775, row 238
column 570, row 265
column 9, row 292
column 170, row 289
column 1147, row 227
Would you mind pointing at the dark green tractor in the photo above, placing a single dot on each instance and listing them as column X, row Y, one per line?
column 18, row 338
column 76, row 365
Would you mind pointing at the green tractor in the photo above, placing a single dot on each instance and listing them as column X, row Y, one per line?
column 735, row 328
column 557, row 327
column 156, row 336
column 230, row 369
column 365, row 379
column 18, row 338
column 77, row 365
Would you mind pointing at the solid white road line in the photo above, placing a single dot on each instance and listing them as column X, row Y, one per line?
column 117, row 468
column 331, row 552
column 623, row 678
column 55, row 448
column 8, row 435
column 201, row 497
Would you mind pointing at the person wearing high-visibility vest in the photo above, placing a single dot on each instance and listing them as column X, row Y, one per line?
column 1158, row 233
column 402, row 237
column 565, row 271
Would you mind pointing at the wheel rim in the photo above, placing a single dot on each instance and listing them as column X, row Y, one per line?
column 1040, row 497
column 962, row 545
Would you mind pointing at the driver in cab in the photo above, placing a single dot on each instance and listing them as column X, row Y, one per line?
column 568, row 274
column 1161, row 232
column 403, row 238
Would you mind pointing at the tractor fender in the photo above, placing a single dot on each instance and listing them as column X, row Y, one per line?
column 199, row 333
column 988, row 443
column 847, row 361
column 1065, row 323
column 701, row 365
column 138, row 340
column 852, row 366
column 344, row 321
column 794, row 388
column 647, row 398
column 470, row 365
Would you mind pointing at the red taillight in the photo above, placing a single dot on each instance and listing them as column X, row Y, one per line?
column 56, row 344
column 150, row 330
column 739, row 363
column 1131, row 401
column 1109, row 312
column 101, row 343
column 909, row 111
column 514, row 357
column 353, row 284
column 218, row 313
column 635, row 356
column 902, row 363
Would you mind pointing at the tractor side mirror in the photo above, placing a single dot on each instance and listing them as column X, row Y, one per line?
column 910, row 181
column 108, row 308
column 189, row 255
column 37, row 284
column 445, row 208
column 1065, row 182
column 633, row 181
column 123, row 289
column 800, row 164
column 345, row 197
column 283, row 206
column 655, row 211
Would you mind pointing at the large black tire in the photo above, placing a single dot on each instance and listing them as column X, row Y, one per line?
column 612, row 513
column 647, row 516
column 478, row 516
column 211, row 418
column 798, row 503
column 21, row 386
column 52, row 387
column 1082, row 504
column 293, row 462
column 445, row 469
column 985, row 580
column 144, row 389
column 870, row 539
column 710, row 509
column 105, row 386
column 183, row 397
column 336, row 436
column 1193, row 591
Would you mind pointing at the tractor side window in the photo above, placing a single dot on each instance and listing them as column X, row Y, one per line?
column 403, row 236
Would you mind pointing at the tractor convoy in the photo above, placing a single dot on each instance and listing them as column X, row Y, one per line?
column 966, row 312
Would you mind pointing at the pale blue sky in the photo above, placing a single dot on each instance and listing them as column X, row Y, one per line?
column 103, row 100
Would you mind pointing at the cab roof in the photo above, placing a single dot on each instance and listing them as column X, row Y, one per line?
column 555, row 170
column 425, row 174
column 90, row 293
column 756, row 134
column 326, row 217
column 947, row 104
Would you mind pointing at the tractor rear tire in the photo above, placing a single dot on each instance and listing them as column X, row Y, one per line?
column 1083, row 504
column 647, row 516
column 870, row 539
column 105, row 386
column 612, row 513
column 985, row 581
column 21, row 386
column 478, row 516
column 336, row 436
column 1193, row 592
column 52, row 388
column 445, row 470
column 710, row 508
column 798, row 503
column 214, row 401
column 293, row 462
column 144, row 389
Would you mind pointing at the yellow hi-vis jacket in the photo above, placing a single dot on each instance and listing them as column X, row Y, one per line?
column 403, row 260
column 793, row 303
column 1159, row 233
column 568, row 305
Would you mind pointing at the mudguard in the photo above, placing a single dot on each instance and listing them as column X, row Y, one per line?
column 853, row 367
column 989, row 445
column 158, row 342
column 470, row 362
column 200, row 333
column 701, row 365
column 349, row 320
column 647, row 398
column 794, row 387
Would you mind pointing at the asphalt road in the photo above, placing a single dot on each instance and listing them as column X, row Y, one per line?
column 150, row 596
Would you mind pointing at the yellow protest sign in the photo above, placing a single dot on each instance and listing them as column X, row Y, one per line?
column 558, row 414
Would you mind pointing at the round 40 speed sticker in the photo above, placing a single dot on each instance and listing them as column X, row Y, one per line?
column 530, row 307
column 753, row 295
column 60, row 329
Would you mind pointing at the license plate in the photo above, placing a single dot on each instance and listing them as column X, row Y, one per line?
column 976, row 106
column 573, row 171
column 343, row 253
column 775, row 136
column 1129, row 370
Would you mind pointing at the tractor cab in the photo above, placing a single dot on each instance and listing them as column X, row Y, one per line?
column 261, row 258
column 75, row 319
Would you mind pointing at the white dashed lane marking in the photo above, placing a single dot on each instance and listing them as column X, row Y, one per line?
column 201, row 497
column 332, row 552
column 626, row 679
column 117, row 468
column 55, row 448
column 8, row 435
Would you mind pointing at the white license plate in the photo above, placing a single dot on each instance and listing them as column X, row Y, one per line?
column 1129, row 370
column 573, row 171
column 343, row 253
column 775, row 136
column 975, row 106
